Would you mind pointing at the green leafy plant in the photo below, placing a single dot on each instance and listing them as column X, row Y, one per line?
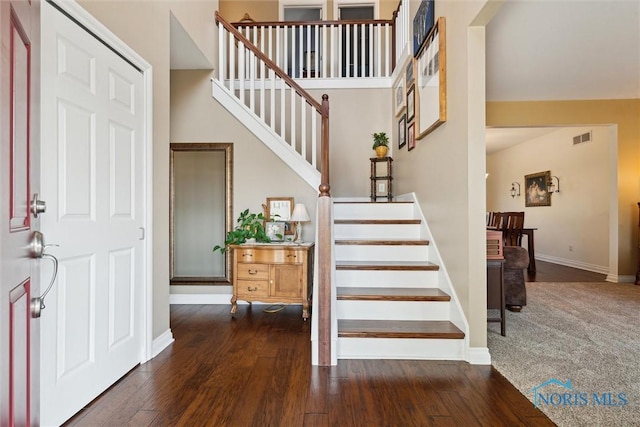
column 249, row 226
column 380, row 139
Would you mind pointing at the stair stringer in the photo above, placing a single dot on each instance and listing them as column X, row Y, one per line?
column 265, row 134
column 476, row 356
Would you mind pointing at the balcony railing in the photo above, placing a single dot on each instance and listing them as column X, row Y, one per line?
column 331, row 49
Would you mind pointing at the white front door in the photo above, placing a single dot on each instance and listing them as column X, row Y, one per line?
column 93, row 174
column 19, row 151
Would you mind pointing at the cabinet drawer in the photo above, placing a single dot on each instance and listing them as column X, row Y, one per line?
column 253, row 271
column 269, row 256
column 253, row 288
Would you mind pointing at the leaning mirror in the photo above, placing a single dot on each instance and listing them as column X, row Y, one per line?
column 200, row 211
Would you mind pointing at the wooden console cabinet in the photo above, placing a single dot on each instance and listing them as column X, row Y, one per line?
column 273, row 273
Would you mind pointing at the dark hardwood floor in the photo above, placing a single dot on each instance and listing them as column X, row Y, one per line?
column 549, row 272
column 255, row 370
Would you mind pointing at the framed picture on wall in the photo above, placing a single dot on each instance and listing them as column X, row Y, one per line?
column 399, row 96
column 411, row 103
column 411, row 136
column 422, row 23
column 536, row 189
column 402, row 131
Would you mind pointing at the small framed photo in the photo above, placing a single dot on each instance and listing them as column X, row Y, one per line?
column 536, row 189
column 279, row 209
column 275, row 230
column 402, row 131
column 411, row 103
column 399, row 100
column 411, row 136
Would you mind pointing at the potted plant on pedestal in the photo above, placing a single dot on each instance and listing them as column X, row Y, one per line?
column 380, row 144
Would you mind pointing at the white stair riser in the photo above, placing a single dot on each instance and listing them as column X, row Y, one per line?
column 393, row 310
column 373, row 211
column 400, row 348
column 381, row 253
column 376, row 231
column 387, row 278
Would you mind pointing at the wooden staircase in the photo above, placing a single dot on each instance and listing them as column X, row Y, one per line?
column 389, row 302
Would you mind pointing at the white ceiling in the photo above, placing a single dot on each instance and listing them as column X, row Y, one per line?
column 561, row 50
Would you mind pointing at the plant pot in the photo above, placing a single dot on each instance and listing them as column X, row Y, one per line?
column 381, row 151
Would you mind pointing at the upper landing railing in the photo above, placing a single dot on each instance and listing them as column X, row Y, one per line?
column 331, row 49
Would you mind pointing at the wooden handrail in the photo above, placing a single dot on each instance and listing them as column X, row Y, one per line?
column 334, row 23
column 269, row 63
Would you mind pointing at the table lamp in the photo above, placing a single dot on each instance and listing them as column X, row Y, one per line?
column 299, row 216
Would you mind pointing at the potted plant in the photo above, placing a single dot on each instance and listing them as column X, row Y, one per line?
column 250, row 227
column 380, row 143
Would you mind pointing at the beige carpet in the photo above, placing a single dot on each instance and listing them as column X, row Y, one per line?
column 585, row 333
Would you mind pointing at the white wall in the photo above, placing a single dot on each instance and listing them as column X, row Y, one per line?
column 574, row 230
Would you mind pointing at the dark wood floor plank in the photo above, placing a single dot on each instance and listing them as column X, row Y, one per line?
column 254, row 369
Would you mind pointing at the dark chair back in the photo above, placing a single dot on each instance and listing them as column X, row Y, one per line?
column 511, row 224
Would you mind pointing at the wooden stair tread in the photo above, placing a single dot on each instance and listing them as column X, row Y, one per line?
column 442, row 329
column 391, row 294
column 387, row 265
column 383, row 242
column 377, row 221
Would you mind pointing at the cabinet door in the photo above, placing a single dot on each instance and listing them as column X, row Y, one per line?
column 286, row 280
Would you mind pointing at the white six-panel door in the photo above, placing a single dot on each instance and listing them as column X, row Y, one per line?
column 92, row 176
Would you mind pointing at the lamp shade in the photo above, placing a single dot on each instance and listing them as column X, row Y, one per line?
column 300, row 213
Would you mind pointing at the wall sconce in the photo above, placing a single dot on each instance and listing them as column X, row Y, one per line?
column 551, row 187
column 299, row 216
column 513, row 190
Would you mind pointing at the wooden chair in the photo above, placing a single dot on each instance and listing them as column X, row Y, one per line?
column 511, row 224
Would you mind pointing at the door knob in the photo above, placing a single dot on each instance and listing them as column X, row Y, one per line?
column 38, row 206
column 38, row 249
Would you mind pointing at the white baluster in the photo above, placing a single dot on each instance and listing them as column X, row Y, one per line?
column 303, row 128
column 241, row 71
column 292, row 142
column 222, row 54
column 314, row 136
column 372, row 58
column 316, row 57
column 272, row 98
column 387, row 53
column 232, row 62
column 252, row 82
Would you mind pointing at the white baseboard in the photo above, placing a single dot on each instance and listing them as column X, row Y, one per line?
column 614, row 278
column 162, row 342
column 200, row 299
column 479, row 356
column 573, row 263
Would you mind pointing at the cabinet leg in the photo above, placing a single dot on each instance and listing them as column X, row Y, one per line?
column 305, row 311
column 234, row 305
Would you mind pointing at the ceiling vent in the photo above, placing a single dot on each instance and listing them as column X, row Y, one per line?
column 585, row 137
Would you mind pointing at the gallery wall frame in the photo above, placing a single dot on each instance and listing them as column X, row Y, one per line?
column 399, row 99
column 402, row 131
column 431, row 81
column 423, row 22
column 411, row 136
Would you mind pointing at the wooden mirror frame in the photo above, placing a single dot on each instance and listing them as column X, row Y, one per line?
column 228, row 222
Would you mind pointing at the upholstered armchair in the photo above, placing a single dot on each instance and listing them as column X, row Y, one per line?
column 516, row 259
